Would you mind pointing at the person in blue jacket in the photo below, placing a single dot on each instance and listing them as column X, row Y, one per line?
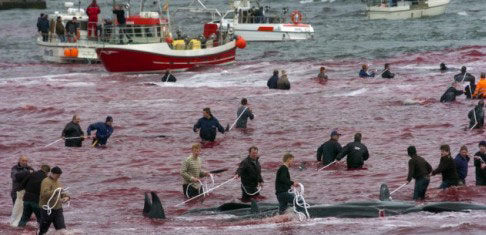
column 103, row 131
column 363, row 73
column 272, row 82
column 461, row 161
column 207, row 126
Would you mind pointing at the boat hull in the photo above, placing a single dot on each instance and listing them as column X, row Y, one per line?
column 158, row 57
column 54, row 52
column 274, row 32
column 434, row 8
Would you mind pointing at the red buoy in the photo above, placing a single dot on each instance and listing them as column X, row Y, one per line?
column 240, row 42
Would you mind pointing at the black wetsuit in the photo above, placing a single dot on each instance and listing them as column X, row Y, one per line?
column 388, row 74
column 168, row 78
column 250, row 172
column 477, row 114
column 419, row 169
column 467, row 77
column 447, row 168
column 328, row 151
column 480, row 173
column 357, row 153
column 450, row 95
column 73, row 130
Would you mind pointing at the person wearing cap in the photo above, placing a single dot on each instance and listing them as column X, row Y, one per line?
column 207, row 126
column 244, row 113
column 461, row 160
column 418, row 169
column 480, row 164
column 72, row 134
column 250, row 172
column 103, row 131
column 451, row 93
column 464, row 76
column 191, row 173
column 387, row 73
column 447, row 168
column 480, row 91
column 356, row 153
column 476, row 116
column 18, row 173
column 32, row 186
column 328, row 151
column 50, row 188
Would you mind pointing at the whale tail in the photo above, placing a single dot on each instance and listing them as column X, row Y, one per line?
column 384, row 193
column 154, row 209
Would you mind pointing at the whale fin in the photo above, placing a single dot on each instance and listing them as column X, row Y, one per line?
column 384, row 193
column 147, row 205
column 254, row 207
column 157, row 211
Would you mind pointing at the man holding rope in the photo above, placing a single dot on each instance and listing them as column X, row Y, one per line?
column 356, row 153
column 244, row 112
column 191, row 173
column 476, row 116
column 418, row 169
column 51, row 198
column 250, row 172
column 480, row 164
column 328, row 151
column 72, row 133
column 103, row 131
column 283, row 184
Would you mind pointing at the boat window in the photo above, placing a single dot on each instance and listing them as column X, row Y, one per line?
column 229, row 15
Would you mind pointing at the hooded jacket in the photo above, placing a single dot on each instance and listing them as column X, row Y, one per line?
column 103, row 131
column 450, row 95
column 328, row 151
column 357, row 153
column 250, row 172
column 208, row 128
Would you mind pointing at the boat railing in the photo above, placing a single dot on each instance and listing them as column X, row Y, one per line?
column 249, row 19
column 392, row 3
column 116, row 34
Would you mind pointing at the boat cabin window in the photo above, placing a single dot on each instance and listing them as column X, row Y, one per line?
column 229, row 16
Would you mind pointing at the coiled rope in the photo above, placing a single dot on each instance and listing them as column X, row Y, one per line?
column 57, row 191
column 299, row 201
column 204, row 187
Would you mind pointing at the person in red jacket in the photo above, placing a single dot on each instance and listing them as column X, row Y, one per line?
column 92, row 11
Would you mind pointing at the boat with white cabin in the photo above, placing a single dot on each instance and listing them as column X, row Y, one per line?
column 405, row 9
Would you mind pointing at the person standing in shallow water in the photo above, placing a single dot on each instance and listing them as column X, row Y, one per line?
column 191, row 172
column 32, row 186
column 461, row 161
column 48, row 190
column 328, row 151
column 18, row 173
column 451, row 93
column 387, row 73
column 322, row 76
column 272, row 82
column 72, row 134
column 283, row 82
column 418, row 169
column 103, row 132
column 244, row 113
column 476, row 116
column 207, row 126
column 356, row 153
column 250, row 173
column 363, row 73
column 447, row 168
column 464, row 76
column 480, row 164
column 283, row 184
column 168, row 77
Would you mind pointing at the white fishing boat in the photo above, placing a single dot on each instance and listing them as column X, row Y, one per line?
column 255, row 22
column 405, row 9
column 144, row 27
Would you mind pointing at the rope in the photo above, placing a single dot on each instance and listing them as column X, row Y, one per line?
column 251, row 194
column 475, row 119
column 299, row 201
column 209, row 190
column 204, row 186
column 59, row 191
column 326, row 166
column 68, row 138
column 238, row 118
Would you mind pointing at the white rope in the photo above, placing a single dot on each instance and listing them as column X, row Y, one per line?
column 251, row 194
column 203, row 186
column 59, row 192
column 209, row 190
column 68, row 138
column 238, row 118
column 326, row 166
column 475, row 119
column 299, row 201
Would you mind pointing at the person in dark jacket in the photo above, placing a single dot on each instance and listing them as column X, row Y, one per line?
column 356, row 153
column 19, row 172
column 447, row 168
column 272, row 82
column 72, row 29
column 103, row 131
column 464, row 76
column 244, row 113
column 363, row 73
column 32, row 185
column 250, row 173
column 39, row 19
column 72, row 134
column 461, row 161
column 451, row 93
column 168, row 77
column 60, row 31
column 476, row 116
column 480, row 164
column 283, row 184
column 120, row 17
column 386, row 72
column 43, row 27
column 207, row 126
column 418, row 169
column 328, row 151
column 443, row 67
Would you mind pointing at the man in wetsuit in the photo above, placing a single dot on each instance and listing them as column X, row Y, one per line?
column 168, row 77
column 244, row 113
column 191, row 172
column 447, row 168
column 476, row 116
column 464, row 76
column 250, row 172
column 72, row 134
column 328, row 151
column 207, row 126
column 386, row 72
column 451, row 93
column 103, row 131
column 418, row 169
column 356, row 153
column 480, row 164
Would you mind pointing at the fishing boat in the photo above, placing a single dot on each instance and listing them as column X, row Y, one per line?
column 405, row 9
column 217, row 46
column 144, row 27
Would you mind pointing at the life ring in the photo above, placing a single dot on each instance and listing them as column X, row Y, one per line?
column 296, row 17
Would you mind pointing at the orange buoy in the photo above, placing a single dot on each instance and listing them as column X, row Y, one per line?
column 74, row 52
column 169, row 40
column 240, row 42
column 296, row 17
column 67, row 52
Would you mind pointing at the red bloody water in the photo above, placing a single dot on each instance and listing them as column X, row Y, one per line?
column 107, row 185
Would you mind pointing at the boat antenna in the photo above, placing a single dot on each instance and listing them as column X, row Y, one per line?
column 79, row 5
